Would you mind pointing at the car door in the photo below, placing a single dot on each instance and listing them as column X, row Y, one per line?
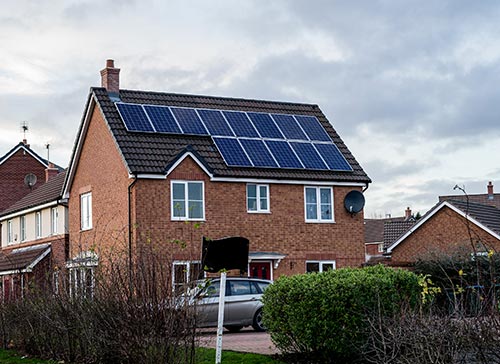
column 242, row 302
column 207, row 305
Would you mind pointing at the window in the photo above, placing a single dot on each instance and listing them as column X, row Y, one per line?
column 86, row 211
column 381, row 247
column 82, row 281
column 38, row 224
column 319, row 265
column 10, row 237
column 53, row 220
column 319, row 204
column 257, row 198
column 183, row 273
column 22, row 227
column 187, row 201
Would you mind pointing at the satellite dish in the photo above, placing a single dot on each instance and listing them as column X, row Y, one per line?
column 30, row 180
column 354, row 202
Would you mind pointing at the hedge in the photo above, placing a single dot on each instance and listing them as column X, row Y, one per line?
column 322, row 316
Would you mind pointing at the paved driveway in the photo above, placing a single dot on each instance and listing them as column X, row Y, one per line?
column 247, row 340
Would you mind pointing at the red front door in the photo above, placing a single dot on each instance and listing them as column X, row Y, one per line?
column 260, row 270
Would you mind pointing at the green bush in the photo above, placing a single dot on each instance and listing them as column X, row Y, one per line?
column 322, row 316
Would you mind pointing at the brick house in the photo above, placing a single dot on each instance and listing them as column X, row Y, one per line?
column 381, row 233
column 449, row 225
column 178, row 167
column 15, row 165
column 35, row 238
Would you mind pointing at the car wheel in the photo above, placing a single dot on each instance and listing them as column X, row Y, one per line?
column 258, row 325
column 233, row 328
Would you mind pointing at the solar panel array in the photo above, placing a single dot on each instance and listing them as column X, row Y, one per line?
column 245, row 139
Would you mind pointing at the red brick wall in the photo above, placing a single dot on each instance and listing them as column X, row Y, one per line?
column 443, row 232
column 12, row 173
column 100, row 171
column 283, row 230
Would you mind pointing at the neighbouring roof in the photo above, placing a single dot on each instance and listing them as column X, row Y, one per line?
column 482, row 198
column 386, row 230
column 394, row 229
column 48, row 192
column 26, row 148
column 23, row 259
column 155, row 153
column 485, row 217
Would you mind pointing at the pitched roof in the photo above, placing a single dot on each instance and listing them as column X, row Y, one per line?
column 48, row 192
column 484, row 216
column 27, row 149
column 155, row 153
column 481, row 198
column 394, row 229
column 386, row 230
column 23, row 259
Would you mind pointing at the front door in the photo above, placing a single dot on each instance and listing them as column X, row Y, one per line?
column 260, row 270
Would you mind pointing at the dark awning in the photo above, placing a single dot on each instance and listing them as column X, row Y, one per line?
column 22, row 260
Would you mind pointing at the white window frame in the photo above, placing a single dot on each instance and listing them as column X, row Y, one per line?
column 186, row 200
column 38, row 224
column 380, row 247
column 187, row 271
column 53, row 220
column 78, row 279
column 321, row 264
column 318, row 204
column 258, row 197
column 10, row 235
column 22, row 228
column 86, row 211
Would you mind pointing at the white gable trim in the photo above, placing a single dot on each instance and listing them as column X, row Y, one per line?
column 439, row 208
column 181, row 159
column 31, row 209
column 20, row 146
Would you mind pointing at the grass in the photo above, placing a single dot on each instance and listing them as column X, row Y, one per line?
column 203, row 356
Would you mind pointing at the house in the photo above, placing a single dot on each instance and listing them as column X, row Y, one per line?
column 34, row 235
column 381, row 233
column 21, row 171
column 163, row 169
column 449, row 225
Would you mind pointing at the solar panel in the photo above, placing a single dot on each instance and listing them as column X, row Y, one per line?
column 232, row 152
column 258, row 153
column 308, row 155
column 134, row 117
column 240, row 124
column 265, row 125
column 333, row 157
column 162, row 119
column 283, row 154
column 189, row 121
column 289, row 127
column 313, row 128
column 215, row 122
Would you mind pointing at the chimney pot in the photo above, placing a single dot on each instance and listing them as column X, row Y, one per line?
column 407, row 213
column 110, row 77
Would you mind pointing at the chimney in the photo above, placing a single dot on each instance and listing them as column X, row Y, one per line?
column 50, row 172
column 407, row 213
column 110, row 77
column 25, row 142
column 490, row 191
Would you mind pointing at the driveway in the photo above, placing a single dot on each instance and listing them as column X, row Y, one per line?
column 247, row 340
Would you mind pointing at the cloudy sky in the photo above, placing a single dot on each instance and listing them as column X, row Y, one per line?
column 413, row 87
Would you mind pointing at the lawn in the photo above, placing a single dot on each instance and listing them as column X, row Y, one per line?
column 204, row 356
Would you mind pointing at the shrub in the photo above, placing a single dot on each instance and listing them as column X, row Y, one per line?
column 323, row 316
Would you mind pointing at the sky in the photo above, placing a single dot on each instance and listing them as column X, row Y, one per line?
column 412, row 87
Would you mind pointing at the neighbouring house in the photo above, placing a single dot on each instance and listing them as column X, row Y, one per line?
column 164, row 170
column 34, row 236
column 488, row 198
column 21, row 171
column 449, row 225
column 381, row 233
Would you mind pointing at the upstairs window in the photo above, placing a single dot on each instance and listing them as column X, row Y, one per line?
column 187, row 200
column 10, row 237
column 319, row 204
column 22, row 227
column 38, row 224
column 53, row 220
column 86, row 211
column 257, row 198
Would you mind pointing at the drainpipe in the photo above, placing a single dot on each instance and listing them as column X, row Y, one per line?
column 130, row 186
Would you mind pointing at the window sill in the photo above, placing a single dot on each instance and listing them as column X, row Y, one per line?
column 320, row 221
column 258, row 212
column 187, row 220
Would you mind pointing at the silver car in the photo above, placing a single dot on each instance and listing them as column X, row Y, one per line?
column 242, row 305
